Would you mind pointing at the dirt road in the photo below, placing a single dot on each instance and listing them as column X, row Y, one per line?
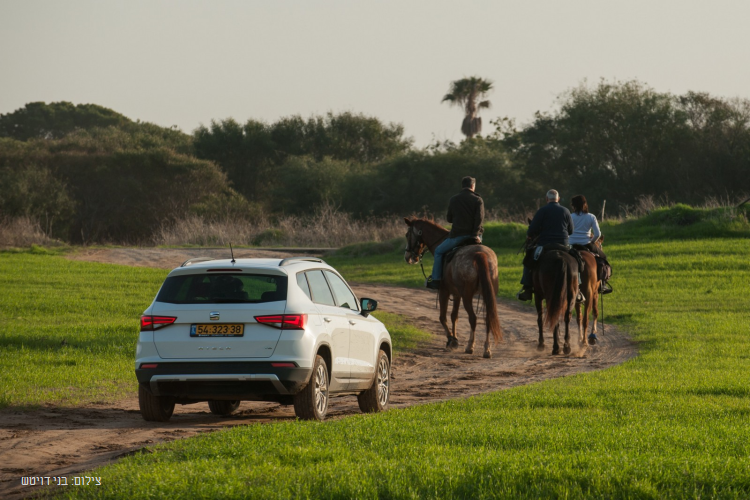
column 67, row 441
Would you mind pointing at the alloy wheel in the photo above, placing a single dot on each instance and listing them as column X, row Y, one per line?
column 383, row 381
column 321, row 390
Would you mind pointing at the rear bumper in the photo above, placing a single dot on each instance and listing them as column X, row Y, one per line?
column 200, row 381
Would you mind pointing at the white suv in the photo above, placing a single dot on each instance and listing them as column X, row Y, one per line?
column 289, row 330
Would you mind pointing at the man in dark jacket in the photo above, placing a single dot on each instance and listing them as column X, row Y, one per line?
column 466, row 213
column 551, row 224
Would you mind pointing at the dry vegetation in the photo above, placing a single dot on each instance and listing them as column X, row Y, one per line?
column 326, row 228
column 645, row 204
column 23, row 232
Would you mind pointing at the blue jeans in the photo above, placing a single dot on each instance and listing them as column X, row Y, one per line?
column 442, row 249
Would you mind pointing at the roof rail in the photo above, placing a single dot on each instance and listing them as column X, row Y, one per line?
column 292, row 260
column 196, row 260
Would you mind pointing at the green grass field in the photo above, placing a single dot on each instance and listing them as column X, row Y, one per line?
column 671, row 423
column 68, row 329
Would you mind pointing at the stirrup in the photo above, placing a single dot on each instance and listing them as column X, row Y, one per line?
column 605, row 289
column 580, row 298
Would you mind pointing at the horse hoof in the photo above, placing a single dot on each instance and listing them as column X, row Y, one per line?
column 566, row 349
column 540, row 347
column 469, row 351
column 452, row 343
column 555, row 351
column 592, row 339
column 488, row 354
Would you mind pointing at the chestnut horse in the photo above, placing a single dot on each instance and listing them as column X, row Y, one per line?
column 556, row 283
column 472, row 270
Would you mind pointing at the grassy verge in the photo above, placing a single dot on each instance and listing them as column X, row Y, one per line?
column 404, row 335
column 671, row 423
column 68, row 329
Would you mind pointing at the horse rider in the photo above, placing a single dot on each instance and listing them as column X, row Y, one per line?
column 551, row 224
column 586, row 232
column 466, row 213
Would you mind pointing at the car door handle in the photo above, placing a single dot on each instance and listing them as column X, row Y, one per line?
column 327, row 320
column 352, row 322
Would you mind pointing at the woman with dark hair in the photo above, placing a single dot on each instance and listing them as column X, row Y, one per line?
column 585, row 235
column 585, row 226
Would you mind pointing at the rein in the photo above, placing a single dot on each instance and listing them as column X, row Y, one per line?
column 418, row 254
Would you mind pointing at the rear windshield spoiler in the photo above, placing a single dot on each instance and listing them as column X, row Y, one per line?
column 196, row 260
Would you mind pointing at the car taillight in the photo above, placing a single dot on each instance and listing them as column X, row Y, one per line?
column 151, row 323
column 284, row 321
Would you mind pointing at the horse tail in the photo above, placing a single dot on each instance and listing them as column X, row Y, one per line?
column 556, row 305
column 488, row 295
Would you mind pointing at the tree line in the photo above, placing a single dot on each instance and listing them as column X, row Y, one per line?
column 90, row 174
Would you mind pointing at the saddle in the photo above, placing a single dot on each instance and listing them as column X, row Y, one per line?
column 603, row 267
column 452, row 252
column 533, row 255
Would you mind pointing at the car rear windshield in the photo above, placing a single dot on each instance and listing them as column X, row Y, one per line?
column 222, row 289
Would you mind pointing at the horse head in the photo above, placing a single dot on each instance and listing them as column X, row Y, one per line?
column 415, row 245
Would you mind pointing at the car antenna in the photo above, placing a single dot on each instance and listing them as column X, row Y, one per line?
column 232, row 251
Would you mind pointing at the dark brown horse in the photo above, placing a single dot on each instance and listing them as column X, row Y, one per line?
column 472, row 270
column 555, row 283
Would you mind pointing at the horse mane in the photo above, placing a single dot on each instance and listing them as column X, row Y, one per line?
column 429, row 223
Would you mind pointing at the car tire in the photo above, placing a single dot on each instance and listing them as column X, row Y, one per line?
column 375, row 398
column 154, row 408
column 223, row 408
column 311, row 403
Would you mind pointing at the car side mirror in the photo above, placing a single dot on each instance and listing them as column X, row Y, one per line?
column 368, row 306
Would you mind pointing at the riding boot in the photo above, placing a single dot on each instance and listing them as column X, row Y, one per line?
column 432, row 284
column 606, row 288
column 525, row 293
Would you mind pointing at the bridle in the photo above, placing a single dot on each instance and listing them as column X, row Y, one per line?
column 420, row 244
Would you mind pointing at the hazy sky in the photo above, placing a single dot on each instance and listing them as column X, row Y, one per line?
column 185, row 63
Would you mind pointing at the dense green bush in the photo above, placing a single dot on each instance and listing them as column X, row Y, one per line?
column 621, row 141
column 252, row 154
column 105, row 184
column 424, row 180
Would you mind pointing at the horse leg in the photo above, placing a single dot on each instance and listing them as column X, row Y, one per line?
column 469, row 306
column 555, row 339
column 566, row 346
column 582, row 320
column 595, row 310
column 443, row 295
column 539, row 319
column 584, row 327
column 454, row 318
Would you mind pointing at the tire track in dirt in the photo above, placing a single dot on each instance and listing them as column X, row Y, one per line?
column 60, row 441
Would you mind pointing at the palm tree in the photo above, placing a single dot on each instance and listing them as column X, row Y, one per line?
column 465, row 93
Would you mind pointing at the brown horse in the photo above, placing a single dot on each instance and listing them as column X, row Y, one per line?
column 556, row 283
column 472, row 270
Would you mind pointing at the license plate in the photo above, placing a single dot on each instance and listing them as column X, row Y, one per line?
column 217, row 330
